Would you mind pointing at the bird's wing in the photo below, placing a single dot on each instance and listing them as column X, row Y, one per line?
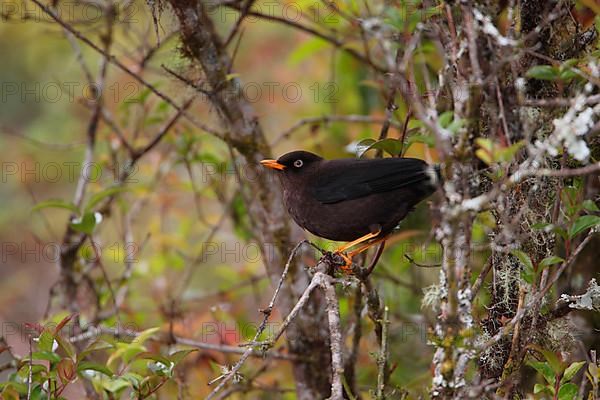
column 349, row 179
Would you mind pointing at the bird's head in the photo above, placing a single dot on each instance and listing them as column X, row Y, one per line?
column 294, row 163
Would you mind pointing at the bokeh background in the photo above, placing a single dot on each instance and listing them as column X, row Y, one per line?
column 183, row 189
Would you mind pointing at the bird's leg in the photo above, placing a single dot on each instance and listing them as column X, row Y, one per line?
column 357, row 241
column 348, row 258
column 366, row 246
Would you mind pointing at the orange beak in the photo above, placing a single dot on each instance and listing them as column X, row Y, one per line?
column 273, row 164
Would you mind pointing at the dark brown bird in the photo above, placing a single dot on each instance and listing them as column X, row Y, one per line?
column 353, row 200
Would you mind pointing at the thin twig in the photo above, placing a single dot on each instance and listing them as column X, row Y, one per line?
column 267, row 314
column 30, row 373
column 481, row 278
column 328, row 38
column 352, row 118
column 113, row 60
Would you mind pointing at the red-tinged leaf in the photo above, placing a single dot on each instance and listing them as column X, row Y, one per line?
column 64, row 322
column 66, row 370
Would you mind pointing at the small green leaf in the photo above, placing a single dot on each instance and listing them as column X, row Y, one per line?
column 446, row 118
column 551, row 261
column 538, row 388
column 528, row 271
column 543, row 72
column 363, row 146
column 554, row 361
column 390, row 146
column 590, row 206
column 153, row 356
column 85, row 224
column 134, row 378
column 56, row 203
column 425, row 139
column 582, row 223
column 180, row 355
column 486, row 150
column 484, row 156
column 45, row 355
column 46, row 341
column 145, row 335
column 572, row 370
column 540, row 226
column 92, row 366
column 507, row 154
column 95, row 346
column 456, row 125
column 305, row 50
column 65, row 345
column 567, row 391
column 116, row 385
column 98, row 197
column 544, row 369
column 568, row 74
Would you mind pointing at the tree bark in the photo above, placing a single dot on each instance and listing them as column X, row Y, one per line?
column 308, row 334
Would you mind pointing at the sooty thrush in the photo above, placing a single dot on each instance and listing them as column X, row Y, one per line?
column 352, row 200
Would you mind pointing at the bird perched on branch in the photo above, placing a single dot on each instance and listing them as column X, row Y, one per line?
column 359, row 201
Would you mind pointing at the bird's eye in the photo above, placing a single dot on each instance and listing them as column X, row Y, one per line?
column 298, row 163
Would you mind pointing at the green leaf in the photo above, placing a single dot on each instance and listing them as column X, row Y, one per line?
column 528, row 273
column 116, row 385
column 554, row 361
column 572, row 370
column 507, row 154
column 523, row 258
column 538, row 388
column 543, row 72
column 65, row 345
column 85, row 224
column 92, row 366
column 98, row 197
column 153, row 356
column 582, row 223
column 550, row 261
column 363, row 146
column 134, row 378
column 95, row 346
column 56, row 203
column 568, row 74
column 540, row 226
column 46, row 341
column 305, row 50
column 590, row 206
column 486, row 150
column 145, row 335
column 446, row 118
column 425, row 139
column 567, row 391
column 45, row 355
column 180, row 355
column 544, row 369
column 390, row 146
column 456, row 125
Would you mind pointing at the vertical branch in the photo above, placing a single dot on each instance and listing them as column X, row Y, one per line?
column 383, row 355
column 203, row 46
column 335, row 338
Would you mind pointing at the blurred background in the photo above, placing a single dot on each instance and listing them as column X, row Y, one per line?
column 177, row 236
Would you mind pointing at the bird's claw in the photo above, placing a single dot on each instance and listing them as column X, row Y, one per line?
column 343, row 261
